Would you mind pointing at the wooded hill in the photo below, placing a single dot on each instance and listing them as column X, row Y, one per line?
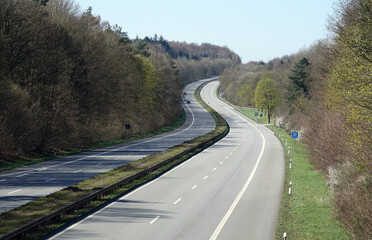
column 192, row 60
column 325, row 93
column 69, row 79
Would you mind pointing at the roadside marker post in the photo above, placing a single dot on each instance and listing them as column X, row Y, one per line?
column 290, row 188
column 285, row 236
column 294, row 136
column 290, row 163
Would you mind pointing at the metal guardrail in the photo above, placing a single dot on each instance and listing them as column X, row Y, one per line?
column 21, row 232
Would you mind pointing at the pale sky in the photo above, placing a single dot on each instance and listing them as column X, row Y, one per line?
column 254, row 29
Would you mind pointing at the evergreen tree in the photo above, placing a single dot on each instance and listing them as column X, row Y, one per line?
column 299, row 85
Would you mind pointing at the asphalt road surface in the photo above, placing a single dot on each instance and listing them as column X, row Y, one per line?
column 17, row 187
column 232, row 190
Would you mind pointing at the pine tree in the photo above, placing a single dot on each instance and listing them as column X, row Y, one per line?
column 299, row 84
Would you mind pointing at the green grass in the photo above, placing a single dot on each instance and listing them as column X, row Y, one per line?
column 250, row 113
column 8, row 164
column 307, row 213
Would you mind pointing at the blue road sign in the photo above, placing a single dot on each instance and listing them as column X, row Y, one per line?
column 294, row 134
column 260, row 114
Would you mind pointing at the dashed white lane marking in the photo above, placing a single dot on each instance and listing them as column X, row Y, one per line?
column 205, row 177
column 231, row 153
column 98, row 164
column 226, row 157
column 2, row 180
column 50, row 180
column 177, row 201
column 22, row 175
column 154, row 220
column 221, row 163
column 42, row 169
column 194, row 187
column 14, row 191
column 77, row 171
column 134, row 191
column 214, row 169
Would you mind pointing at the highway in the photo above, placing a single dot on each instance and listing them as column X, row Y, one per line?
column 19, row 186
column 231, row 190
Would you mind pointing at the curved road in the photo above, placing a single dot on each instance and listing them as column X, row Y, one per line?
column 232, row 190
column 19, row 186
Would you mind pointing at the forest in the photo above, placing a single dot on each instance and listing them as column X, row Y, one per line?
column 69, row 79
column 325, row 93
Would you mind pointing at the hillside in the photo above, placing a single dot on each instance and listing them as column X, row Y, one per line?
column 69, row 79
column 192, row 60
column 325, row 92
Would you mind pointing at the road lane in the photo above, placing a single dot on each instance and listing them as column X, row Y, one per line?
column 41, row 179
column 243, row 190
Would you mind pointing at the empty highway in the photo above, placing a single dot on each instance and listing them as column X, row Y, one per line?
column 22, row 185
column 232, row 190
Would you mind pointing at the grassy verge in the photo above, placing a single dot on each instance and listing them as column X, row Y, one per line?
column 8, row 164
column 45, row 205
column 251, row 114
column 307, row 212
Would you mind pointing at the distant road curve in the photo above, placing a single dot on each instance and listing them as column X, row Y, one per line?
column 231, row 190
column 19, row 186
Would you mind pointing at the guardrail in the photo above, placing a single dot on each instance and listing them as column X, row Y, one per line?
column 53, row 217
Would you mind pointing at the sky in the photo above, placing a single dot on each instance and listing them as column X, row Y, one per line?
column 254, row 29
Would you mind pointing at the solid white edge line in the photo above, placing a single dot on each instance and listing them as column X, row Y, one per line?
column 131, row 193
column 112, row 150
column 239, row 196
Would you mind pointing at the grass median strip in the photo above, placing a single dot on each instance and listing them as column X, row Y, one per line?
column 38, row 208
column 307, row 212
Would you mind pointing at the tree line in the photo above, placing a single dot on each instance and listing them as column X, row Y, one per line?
column 193, row 61
column 69, row 79
column 325, row 93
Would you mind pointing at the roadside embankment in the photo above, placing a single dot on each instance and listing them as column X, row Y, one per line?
column 306, row 210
